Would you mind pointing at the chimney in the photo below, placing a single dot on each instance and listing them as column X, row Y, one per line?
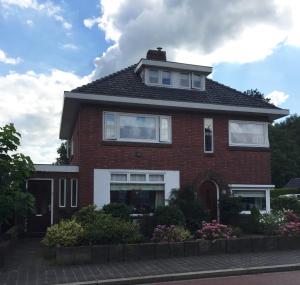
column 157, row 54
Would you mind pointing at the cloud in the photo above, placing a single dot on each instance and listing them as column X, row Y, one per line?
column 47, row 7
column 277, row 97
column 199, row 32
column 70, row 46
column 33, row 101
column 8, row 60
column 30, row 23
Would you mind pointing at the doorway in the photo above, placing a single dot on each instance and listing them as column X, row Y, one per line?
column 42, row 190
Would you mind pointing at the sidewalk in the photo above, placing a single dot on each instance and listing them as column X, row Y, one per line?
column 27, row 266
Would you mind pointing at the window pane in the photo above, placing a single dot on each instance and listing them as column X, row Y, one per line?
column 164, row 131
column 137, row 127
column 110, row 125
column 153, row 76
column 118, row 177
column 184, row 79
column 74, row 193
column 156, row 177
column 208, row 135
column 196, row 81
column 138, row 177
column 251, row 199
column 166, row 78
column 62, row 194
column 248, row 133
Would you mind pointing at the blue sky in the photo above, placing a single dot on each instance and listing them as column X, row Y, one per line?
column 50, row 46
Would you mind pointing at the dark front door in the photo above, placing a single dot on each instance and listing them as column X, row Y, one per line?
column 207, row 194
column 41, row 190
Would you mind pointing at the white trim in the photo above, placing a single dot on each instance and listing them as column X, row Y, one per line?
column 266, row 133
column 212, row 136
column 76, row 205
column 56, row 168
column 117, row 126
column 173, row 65
column 52, row 195
column 247, row 186
column 59, row 193
column 201, row 81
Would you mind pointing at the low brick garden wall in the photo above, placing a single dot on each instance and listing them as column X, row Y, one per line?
column 144, row 251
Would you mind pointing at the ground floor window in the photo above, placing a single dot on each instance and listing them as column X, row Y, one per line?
column 143, row 198
column 251, row 199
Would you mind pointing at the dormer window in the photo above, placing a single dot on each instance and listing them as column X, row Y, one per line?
column 196, row 82
column 153, row 76
column 166, row 78
column 184, row 80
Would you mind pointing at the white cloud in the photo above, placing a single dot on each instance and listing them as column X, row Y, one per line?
column 69, row 46
column 30, row 23
column 8, row 60
column 277, row 97
column 48, row 7
column 33, row 102
column 199, row 32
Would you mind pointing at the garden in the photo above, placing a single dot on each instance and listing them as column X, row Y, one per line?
column 182, row 228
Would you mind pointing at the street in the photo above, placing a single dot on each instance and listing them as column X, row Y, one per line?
column 280, row 278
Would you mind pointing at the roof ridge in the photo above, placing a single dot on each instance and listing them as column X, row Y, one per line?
column 242, row 93
column 101, row 79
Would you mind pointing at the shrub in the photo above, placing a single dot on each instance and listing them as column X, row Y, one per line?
column 65, row 233
column 283, row 191
column 230, row 208
column 106, row 229
column 290, row 229
column 86, row 215
column 213, row 231
column 285, row 203
column 118, row 210
column 147, row 225
column 271, row 222
column 172, row 233
column 290, row 216
column 169, row 215
column 237, row 231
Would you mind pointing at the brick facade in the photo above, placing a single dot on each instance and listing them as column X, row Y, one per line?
column 227, row 164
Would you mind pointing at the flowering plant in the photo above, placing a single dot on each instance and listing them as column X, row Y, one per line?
column 164, row 233
column 291, row 229
column 214, row 230
column 290, row 216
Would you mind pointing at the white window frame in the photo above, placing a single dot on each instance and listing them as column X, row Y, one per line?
column 157, row 126
column 212, row 136
column 201, row 81
column 179, row 77
column 72, row 205
column 266, row 134
column 65, row 193
column 161, row 77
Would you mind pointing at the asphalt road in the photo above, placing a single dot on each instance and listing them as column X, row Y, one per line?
column 280, row 278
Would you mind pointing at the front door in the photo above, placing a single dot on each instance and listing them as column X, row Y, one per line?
column 207, row 194
column 41, row 190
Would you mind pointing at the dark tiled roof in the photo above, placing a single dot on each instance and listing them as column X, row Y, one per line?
column 128, row 84
column 293, row 183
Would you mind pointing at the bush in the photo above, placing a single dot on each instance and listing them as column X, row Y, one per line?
column 213, row 231
column 291, row 229
column 106, row 229
column 65, row 233
column 169, row 215
column 285, row 203
column 147, row 225
column 290, row 216
column 230, row 208
column 271, row 222
column 164, row 233
column 283, row 191
column 86, row 215
column 118, row 210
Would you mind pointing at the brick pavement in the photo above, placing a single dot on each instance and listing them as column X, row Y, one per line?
column 26, row 266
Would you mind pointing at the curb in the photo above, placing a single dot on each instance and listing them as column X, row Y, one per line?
column 191, row 275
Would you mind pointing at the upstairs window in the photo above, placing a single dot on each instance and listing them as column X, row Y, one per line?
column 166, row 78
column 248, row 134
column 208, row 135
column 153, row 76
column 184, row 80
column 135, row 127
column 196, row 81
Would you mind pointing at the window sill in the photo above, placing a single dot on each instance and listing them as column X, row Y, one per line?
column 249, row 148
column 140, row 144
column 209, row 154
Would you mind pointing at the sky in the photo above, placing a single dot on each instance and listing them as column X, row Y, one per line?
column 47, row 47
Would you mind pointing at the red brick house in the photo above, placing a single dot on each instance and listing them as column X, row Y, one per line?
column 154, row 126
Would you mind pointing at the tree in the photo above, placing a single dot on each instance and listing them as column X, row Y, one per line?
column 255, row 93
column 15, row 168
column 62, row 151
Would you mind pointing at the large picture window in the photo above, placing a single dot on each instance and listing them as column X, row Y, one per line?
column 251, row 134
column 136, row 127
column 251, row 199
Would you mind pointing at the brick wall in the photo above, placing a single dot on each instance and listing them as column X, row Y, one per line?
column 231, row 165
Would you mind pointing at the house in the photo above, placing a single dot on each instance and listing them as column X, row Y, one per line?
column 152, row 127
column 294, row 183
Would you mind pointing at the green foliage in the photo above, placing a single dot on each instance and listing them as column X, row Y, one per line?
column 164, row 233
column 15, row 168
column 66, row 233
column 255, row 93
column 62, row 152
column 271, row 222
column 285, row 148
column 283, row 191
column 285, row 203
column 86, row 215
column 190, row 207
column 169, row 215
column 147, row 225
column 118, row 210
column 230, row 208
column 106, row 229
